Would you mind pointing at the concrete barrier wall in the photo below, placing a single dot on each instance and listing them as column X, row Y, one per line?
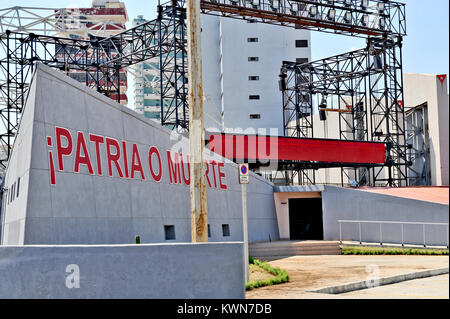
column 182, row 271
column 89, row 207
column 349, row 204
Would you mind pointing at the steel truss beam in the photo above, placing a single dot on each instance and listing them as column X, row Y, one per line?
column 349, row 17
column 365, row 86
column 51, row 21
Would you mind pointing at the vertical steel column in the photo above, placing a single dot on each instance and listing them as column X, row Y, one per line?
column 183, row 75
column 160, row 43
column 199, row 213
column 8, row 90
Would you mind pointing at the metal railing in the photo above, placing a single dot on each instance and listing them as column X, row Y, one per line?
column 381, row 223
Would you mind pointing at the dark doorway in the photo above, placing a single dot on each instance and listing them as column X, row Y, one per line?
column 305, row 219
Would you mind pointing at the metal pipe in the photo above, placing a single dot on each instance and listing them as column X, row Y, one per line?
column 403, row 244
column 245, row 224
column 360, row 241
column 199, row 213
column 447, row 236
column 424, row 238
column 386, row 222
column 381, row 235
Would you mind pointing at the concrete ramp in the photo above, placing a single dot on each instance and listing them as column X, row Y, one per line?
column 279, row 249
column 438, row 195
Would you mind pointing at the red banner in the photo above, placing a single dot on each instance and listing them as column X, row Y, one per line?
column 265, row 148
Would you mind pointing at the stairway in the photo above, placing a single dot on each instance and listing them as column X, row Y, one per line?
column 280, row 249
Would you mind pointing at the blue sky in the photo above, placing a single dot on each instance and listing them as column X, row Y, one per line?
column 426, row 48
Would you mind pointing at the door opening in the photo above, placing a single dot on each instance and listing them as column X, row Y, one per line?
column 305, row 219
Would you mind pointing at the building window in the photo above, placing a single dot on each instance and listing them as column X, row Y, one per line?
column 301, row 43
column 255, row 116
column 13, row 192
column 302, row 60
column 18, row 187
column 253, row 59
column 169, row 232
column 252, row 39
column 253, row 97
column 209, row 231
column 253, row 78
column 226, row 230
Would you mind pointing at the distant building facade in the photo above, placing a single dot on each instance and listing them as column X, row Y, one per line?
column 104, row 19
column 241, row 64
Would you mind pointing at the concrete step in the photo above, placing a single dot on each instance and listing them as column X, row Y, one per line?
column 294, row 248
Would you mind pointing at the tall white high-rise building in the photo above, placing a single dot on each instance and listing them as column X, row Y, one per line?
column 241, row 64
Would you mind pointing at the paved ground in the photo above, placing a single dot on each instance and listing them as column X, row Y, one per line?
column 312, row 272
column 426, row 288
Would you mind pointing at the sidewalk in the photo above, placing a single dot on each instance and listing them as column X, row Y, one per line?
column 314, row 272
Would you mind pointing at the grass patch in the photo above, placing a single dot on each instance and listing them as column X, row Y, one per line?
column 350, row 250
column 281, row 276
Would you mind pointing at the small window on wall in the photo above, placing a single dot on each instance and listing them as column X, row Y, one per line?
column 13, row 192
column 253, row 59
column 253, row 97
column 252, row 39
column 253, row 78
column 18, row 187
column 226, row 230
column 302, row 60
column 169, row 232
column 255, row 116
column 301, row 43
column 209, row 231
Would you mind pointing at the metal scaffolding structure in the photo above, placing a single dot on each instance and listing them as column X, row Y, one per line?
column 366, row 84
column 100, row 60
column 365, row 88
column 418, row 139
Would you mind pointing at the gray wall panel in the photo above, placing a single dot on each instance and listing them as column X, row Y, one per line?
column 137, row 271
column 98, row 209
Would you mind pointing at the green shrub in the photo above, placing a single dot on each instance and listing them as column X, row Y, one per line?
column 391, row 251
column 281, row 276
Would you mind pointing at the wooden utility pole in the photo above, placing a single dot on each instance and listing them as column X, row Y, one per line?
column 199, row 213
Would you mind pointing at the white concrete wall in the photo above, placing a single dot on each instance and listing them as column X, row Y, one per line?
column 18, row 168
column 426, row 88
column 170, row 271
column 351, row 204
column 84, row 208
